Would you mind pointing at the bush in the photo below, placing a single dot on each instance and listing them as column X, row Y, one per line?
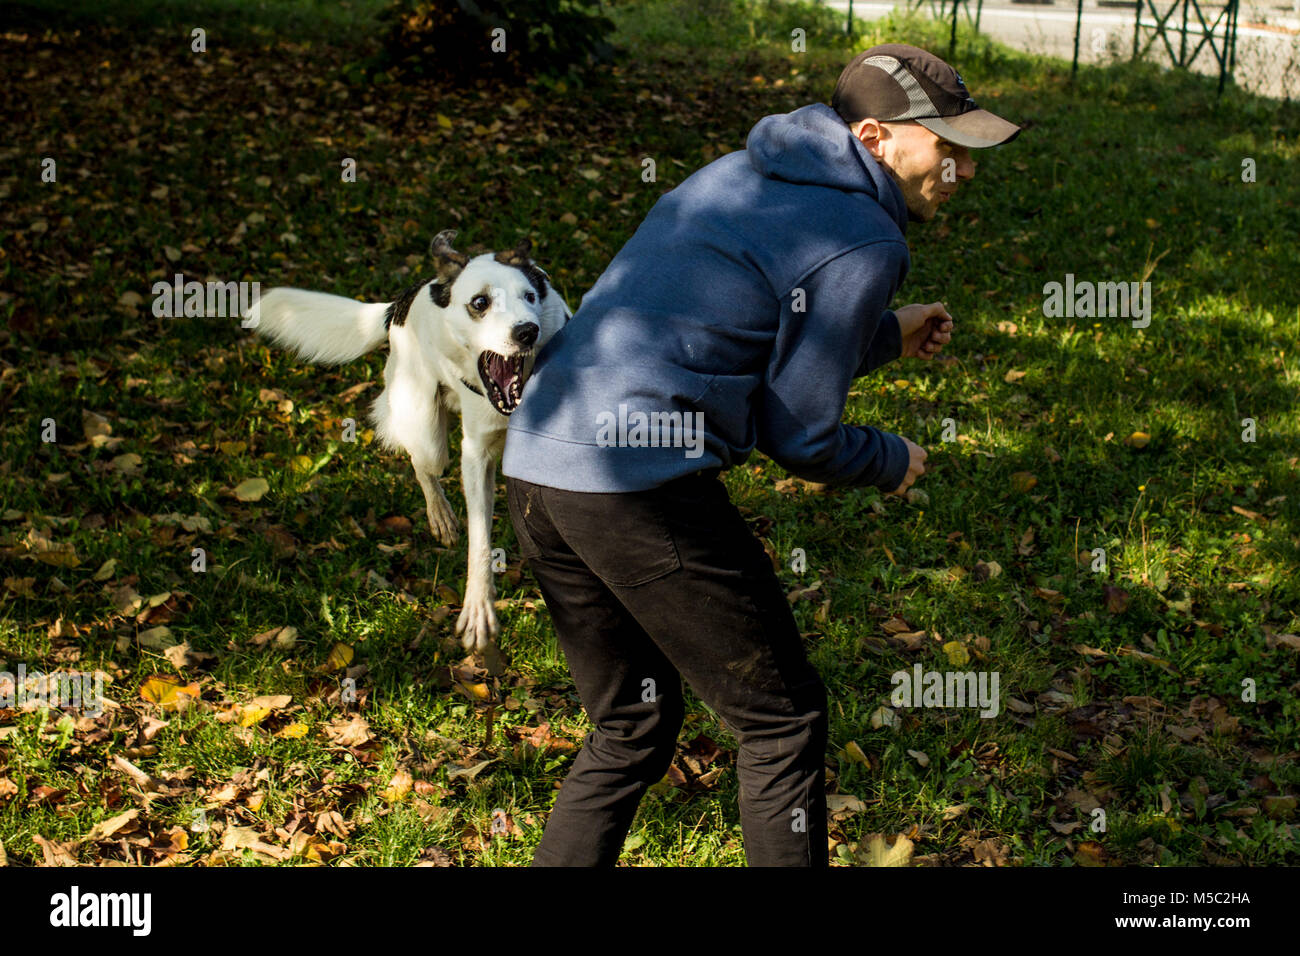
column 455, row 38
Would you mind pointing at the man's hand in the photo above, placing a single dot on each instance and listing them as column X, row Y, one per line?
column 915, row 466
column 924, row 329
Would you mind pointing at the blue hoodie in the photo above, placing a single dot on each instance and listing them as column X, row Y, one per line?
column 736, row 317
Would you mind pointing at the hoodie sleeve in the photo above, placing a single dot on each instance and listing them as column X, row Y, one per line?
column 824, row 337
column 886, row 346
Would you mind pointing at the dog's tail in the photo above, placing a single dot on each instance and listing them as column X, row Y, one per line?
column 321, row 328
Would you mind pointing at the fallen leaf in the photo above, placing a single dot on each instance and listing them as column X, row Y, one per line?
column 957, row 654
column 399, row 788
column 252, row 489
column 340, row 656
column 880, row 853
column 106, row 828
column 1023, row 481
column 168, row 692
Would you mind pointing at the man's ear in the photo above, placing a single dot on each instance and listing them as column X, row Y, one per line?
column 870, row 133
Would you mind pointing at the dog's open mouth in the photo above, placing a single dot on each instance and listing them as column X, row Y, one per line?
column 503, row 379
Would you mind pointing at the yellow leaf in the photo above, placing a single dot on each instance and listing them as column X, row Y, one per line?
column 302, row 463
column 1023, row 481
column 340, row 657
column 880, row 853
column 957, row 653
column 250, row 715
column 1138, row 440
column 476, row 691
column 443, row 121
column 252, row 489
column 398, row 788
column 293, row 731
column 855, row 754
column 168, row 692
column 257, row 709
column 127, row 464
column 233, row 447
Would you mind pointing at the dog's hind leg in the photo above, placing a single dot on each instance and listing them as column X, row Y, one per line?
column 477, row 624
column 442, row 520
column 429, row 459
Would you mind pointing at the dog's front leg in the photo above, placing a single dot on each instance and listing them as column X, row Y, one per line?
column 477, row 624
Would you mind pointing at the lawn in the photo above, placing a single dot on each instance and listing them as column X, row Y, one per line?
column 1109, row 521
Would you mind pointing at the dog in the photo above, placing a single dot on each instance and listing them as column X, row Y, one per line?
column 464, row 340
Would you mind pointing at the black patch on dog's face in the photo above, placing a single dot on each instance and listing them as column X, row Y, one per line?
column 440, row 292
column 401, row 306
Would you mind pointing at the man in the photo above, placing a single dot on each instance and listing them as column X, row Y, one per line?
column 735, row 318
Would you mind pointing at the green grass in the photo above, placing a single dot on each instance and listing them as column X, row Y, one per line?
column 1128, row 173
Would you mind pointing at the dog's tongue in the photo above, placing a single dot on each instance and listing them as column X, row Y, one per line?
column 503, row 370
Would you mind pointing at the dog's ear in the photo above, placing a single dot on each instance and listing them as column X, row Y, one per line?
column 517, row 256
column 447, row 261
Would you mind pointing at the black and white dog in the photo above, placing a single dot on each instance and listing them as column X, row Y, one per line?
column 464, row 340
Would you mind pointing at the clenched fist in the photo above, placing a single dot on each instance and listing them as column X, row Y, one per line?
column 915, row 466
column 924, row 329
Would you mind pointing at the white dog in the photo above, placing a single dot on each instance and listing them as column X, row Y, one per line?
column 464, row 340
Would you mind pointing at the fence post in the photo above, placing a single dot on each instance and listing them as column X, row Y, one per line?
column 1078, row 24
column 1182, row 41
column 1137, row 22
column 952, row 39
column 1236, row 8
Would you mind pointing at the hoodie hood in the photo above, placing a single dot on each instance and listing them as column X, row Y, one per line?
column 813, row 145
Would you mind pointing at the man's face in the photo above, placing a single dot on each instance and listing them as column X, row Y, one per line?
column 915, row 158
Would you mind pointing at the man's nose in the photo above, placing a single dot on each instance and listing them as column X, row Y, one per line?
column 966, row 168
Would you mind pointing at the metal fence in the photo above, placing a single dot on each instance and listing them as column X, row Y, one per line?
column 1253, row 44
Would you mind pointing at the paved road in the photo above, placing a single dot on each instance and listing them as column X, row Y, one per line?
column 1268, row 35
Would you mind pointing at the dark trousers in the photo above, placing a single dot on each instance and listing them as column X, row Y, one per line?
column 647, row 588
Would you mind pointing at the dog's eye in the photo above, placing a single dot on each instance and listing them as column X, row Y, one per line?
column 530, row 296
column 480, row 303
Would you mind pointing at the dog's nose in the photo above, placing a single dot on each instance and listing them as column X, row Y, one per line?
column 525, row 333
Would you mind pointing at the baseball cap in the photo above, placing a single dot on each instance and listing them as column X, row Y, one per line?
column 894, row 81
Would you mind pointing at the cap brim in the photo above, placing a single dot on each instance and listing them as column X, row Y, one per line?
column 976, row 129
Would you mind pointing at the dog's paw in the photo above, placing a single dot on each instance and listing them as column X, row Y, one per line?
column 443, row 523
column 477, row 625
